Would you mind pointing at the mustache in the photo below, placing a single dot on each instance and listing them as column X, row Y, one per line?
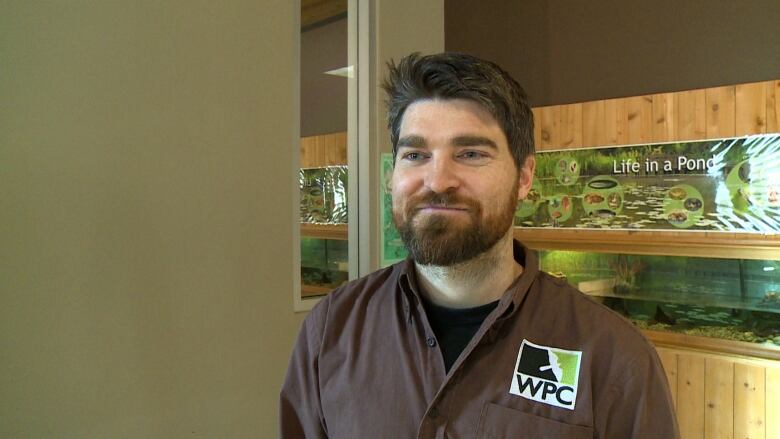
column 446, row 199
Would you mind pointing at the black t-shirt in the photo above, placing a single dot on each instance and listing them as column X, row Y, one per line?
column 454, row 327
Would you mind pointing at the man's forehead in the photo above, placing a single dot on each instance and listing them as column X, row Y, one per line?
column 460, row 122
column 433, row 107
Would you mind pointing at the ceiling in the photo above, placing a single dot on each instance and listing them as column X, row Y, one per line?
column 317, row 11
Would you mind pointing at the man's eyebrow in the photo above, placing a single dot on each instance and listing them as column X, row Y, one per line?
column 412, row 141
column 473, row 141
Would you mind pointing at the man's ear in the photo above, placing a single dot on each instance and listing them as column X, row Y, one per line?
column 526, row 177
column 389, row 179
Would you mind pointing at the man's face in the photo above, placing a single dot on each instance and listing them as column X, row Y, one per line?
column 455, row 185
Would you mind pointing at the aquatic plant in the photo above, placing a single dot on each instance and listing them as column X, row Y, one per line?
column 626, row 269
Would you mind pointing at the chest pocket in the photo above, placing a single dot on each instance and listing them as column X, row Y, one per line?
column 499, row 422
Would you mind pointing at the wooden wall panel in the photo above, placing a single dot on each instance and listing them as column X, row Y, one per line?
column 749, row 401
column 773, row 106
column 690, row 395
column 719, row 398
column 593, row 133
column 324, row 150
column 308, row 145
column 639, row 119
column 570, row 126
column 549, row 118
column 615, row 119
column 537, row 128
column 773, row 402
column 336, row 148
column 664, row 117
column 751, row 108
column 669, row 361
column 320, row 151
column 720, row 104
column 722, row 396
column 690, row 107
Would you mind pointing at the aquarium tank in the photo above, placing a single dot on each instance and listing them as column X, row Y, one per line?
column 324, row 262
column 731, row 299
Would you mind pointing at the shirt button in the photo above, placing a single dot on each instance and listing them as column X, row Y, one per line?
column 431, row 341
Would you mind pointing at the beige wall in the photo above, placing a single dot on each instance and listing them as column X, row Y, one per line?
column 145, row 217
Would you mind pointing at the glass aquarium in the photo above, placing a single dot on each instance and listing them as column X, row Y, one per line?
column 324, row 264
column 732, row 299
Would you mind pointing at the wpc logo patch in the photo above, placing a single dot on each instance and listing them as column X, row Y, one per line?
column 547, row 375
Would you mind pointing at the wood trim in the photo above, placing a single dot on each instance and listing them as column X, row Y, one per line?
column 692, row 244
column 324, row 231
column 712, row 345
column 314, row 290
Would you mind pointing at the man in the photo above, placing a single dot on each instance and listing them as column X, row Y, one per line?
column 467, row 338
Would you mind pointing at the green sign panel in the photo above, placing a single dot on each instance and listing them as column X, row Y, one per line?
column 723, row 185
column 393, row 249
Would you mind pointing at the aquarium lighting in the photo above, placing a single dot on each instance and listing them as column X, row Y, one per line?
column 769, row 268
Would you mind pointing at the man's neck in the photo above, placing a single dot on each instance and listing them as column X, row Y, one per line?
column 472, row 283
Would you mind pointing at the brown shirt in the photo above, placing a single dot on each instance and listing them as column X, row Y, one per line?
column 548, row 362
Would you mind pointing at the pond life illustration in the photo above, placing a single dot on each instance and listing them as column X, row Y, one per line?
column 730, row 185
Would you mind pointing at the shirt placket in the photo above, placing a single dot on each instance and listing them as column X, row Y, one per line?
column 435, row 422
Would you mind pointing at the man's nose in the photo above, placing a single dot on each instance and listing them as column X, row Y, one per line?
column 442, row 176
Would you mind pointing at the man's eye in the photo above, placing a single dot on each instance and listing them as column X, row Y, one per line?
column 471, row 155
column 413, row 156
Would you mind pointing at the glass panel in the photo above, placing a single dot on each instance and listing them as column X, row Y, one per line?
column 732, row 299
column 324, row 265
column 325, row 72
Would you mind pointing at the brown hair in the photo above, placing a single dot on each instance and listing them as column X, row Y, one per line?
column 451, row 75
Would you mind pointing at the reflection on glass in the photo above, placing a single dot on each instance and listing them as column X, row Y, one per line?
column 732, row 299
column 324, row 195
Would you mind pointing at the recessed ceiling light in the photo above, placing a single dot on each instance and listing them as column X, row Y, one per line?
column 344, row 71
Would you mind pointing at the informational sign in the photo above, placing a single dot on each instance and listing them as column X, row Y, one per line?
column 722, row 185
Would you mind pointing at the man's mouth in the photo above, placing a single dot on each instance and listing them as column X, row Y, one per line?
column 433, row 208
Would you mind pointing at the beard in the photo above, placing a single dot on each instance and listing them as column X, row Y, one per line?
column 443, row 241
